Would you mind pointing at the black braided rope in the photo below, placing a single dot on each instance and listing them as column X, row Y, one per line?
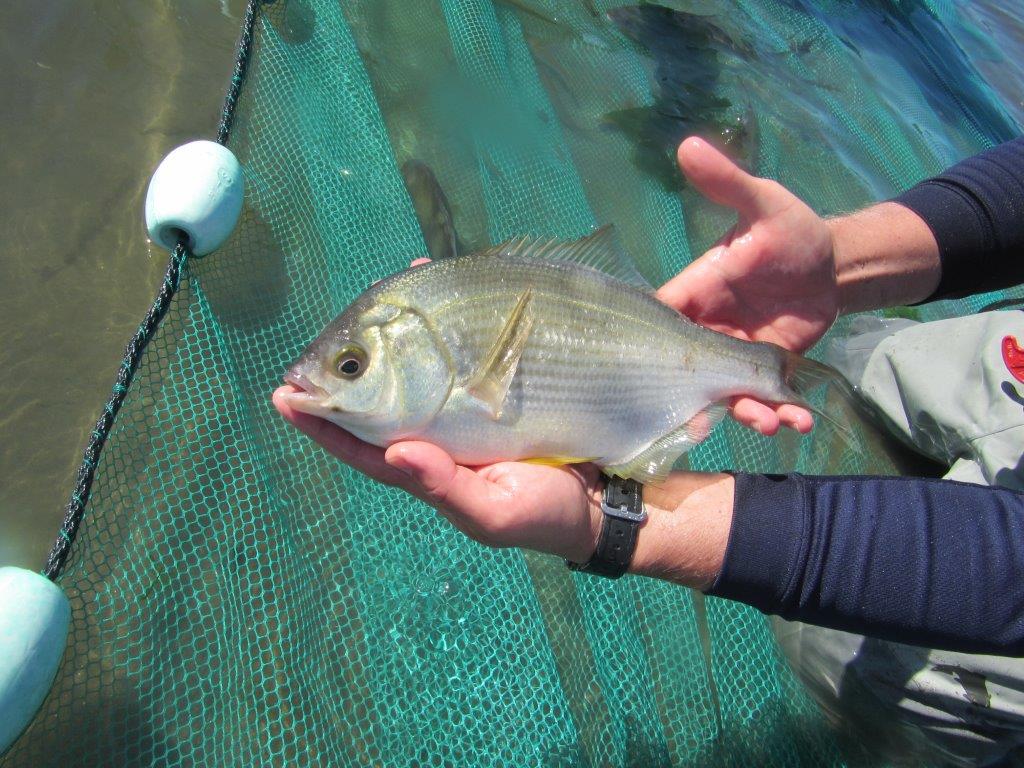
column 227, row 115
column 75, row 509
column 132, row 355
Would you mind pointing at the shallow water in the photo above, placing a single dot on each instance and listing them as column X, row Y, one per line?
column 94, row 94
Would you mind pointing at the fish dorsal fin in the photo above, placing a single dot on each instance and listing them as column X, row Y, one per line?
column 490, row 382
column 599, row 250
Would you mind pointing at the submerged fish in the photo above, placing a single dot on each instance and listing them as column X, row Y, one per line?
column 432, row 210
column 528, row 10
column 691, row 54
column 541, row 350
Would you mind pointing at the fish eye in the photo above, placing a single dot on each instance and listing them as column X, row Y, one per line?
column 350, row 362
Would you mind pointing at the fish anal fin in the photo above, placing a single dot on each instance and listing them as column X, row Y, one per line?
column 492, row 379
column 653, row 464
column 699, row 427
column 599, row 250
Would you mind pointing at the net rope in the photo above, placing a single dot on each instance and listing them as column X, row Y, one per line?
column 75, row 509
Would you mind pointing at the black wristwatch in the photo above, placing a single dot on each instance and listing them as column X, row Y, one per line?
column 623, row 507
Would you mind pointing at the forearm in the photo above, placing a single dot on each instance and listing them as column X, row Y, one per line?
column 885, row 256
column 925, row 562
column 685, row 537
column 953, row 235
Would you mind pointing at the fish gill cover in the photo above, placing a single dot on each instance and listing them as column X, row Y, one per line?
column 239, row 598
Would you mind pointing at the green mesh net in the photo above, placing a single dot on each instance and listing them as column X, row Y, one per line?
column 240, row 598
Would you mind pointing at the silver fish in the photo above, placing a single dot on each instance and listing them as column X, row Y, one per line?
column 543, row 350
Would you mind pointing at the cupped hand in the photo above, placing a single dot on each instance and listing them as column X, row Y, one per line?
column 771, row 278
column 509, row 504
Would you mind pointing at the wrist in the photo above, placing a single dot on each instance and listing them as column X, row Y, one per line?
column 687, row 530
column 585, row 542
column 885, row 256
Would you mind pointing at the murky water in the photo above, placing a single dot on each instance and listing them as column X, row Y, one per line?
column 94, row 94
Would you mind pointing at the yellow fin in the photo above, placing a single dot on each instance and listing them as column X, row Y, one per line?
column 555, row 461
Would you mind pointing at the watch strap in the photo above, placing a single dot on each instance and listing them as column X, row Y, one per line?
column 625, row 499
column 623, row 509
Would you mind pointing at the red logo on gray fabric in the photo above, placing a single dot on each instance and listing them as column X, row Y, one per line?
column 1013, row 357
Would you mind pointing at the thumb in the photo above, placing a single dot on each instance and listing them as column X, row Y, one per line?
column 722, row 181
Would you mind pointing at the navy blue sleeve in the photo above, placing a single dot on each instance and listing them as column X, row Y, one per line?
column 976, row 212
column 925, row 562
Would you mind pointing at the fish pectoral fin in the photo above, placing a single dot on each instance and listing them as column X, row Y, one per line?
column 653, row 464
column 492, row 379
column 556, row 461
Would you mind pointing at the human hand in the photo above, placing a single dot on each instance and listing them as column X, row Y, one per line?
column 548, row 509
column 509, row 504
column 772, row 277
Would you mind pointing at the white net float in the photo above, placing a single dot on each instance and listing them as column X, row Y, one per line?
column 34, row 616
column 196, row 191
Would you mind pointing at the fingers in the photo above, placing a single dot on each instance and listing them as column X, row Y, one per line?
column 421, row 260
column 475, row 505
column 756, row 415
column 719, row 179
column 767, row 419
column 795, row 417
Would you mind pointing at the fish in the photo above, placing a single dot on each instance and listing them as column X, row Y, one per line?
column 543, row 350
column 528, row 10
column 689, row 52
column 432, row 210
column 296, row 23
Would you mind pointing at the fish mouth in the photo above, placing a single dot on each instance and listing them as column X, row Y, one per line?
column 304, row 383
column 309, row 397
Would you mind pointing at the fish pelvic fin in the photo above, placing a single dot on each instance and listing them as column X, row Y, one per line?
column 599, row 250
column 652, row 465
column 556, row 461
column 492, row 379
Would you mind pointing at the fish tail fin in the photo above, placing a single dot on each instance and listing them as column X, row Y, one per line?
column 802, row 376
